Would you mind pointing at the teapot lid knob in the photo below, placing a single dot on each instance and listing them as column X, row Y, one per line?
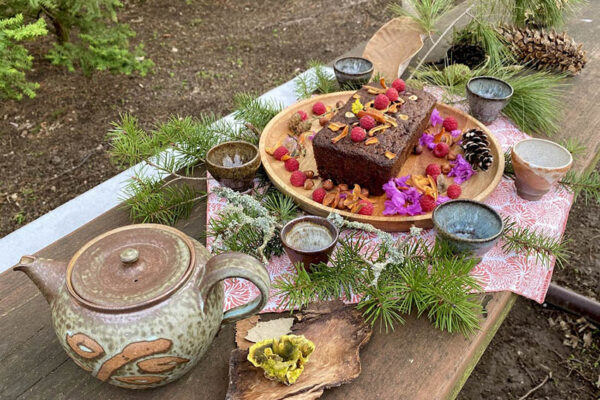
column 129, row 255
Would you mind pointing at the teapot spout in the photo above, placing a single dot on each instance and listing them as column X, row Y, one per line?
column 48, row 275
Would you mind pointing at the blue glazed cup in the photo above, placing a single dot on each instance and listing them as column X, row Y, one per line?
column 487, row 97
column 468, row 226
column 353, row 72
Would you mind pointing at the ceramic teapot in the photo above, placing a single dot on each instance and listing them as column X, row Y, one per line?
column 138, row 306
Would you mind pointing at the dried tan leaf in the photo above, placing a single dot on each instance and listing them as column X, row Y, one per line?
column 270, row 329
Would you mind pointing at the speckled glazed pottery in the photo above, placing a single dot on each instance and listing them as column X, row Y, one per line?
column 468, row 226
column 487, row 97
column 309, row 240
column 233, row 164
column 138, row 306
column 353, row 72
column 539, row 164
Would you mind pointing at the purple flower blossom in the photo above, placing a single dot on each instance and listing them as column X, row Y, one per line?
column 435, row 118
column 403, row 202
column 461, row 170
column 311, row 137
column 441, row 199
column 456, row 133
column 426, row 140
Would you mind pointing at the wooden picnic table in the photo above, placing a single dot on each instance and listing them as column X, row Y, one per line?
column 416, row 361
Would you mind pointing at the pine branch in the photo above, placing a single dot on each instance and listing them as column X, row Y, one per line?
column 255, row 111
column 425, row 12
column 525, row 241
column 586, row 184
column 574, row 146
column 318, row 79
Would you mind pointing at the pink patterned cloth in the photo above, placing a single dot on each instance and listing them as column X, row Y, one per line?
column 498, row 271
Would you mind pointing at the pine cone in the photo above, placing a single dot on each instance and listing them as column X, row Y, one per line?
column 545, row 49
column 476, row 147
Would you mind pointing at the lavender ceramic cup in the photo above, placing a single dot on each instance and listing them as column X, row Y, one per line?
column 539, row 164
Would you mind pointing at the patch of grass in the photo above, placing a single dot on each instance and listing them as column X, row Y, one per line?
column 19, row 218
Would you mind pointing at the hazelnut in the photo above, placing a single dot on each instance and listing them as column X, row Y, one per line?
column 323, row 121
column 446, row 168
column 327, row 184
column 364, row 192
column 308, row 184
column 343, row 187
column 339, row 104
column 452, row 155
column 418, row 149
column 309, row 174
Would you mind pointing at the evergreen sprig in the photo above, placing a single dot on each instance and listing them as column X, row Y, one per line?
column 318, row 79
column 525, row 241
column 586, row 184
column 425, row 12
column 432, row 282
column 15, row 60
column 255, row 111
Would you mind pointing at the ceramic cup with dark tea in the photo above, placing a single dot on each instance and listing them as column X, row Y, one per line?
column 539, row 164
column 233, row 164
column 468, row 226
column 487, row 97
column 309, row 240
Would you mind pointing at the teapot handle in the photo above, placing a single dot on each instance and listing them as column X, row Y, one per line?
column 237, row 265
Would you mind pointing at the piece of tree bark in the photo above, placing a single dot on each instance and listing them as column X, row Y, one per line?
column 338, row 332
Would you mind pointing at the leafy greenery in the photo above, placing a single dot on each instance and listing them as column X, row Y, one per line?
column 586, row 185
column 524, row 240
column 319, row 80
column 15, row 60
column 255, row 111
column 574, row 146
column 429, row 281
column 88, row 36
column 425, row 12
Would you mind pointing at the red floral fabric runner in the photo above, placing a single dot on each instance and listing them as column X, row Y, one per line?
column 498, row 271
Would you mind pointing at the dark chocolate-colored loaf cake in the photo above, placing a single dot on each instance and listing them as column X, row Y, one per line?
column 367, row 165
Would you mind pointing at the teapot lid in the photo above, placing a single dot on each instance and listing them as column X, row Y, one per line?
column 130, row 267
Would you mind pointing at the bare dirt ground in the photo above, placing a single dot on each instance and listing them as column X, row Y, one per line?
column 53, row 148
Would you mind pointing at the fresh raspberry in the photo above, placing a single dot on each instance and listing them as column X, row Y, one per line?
column 392, row 94
column 441, row 150
column 367, row 122
column 399, row 85
column 319, row 108
column 292, row 165
column 297, row 179
column 427, row 203
column 318, row 195
column 450, row 124
column 280, row 152
column 454, row 191
column 303, row 115
column 381, row 102
column 358, row 134
column 367, row 208
column 432, row 169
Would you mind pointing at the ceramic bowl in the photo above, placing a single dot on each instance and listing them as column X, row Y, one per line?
column 468, row 226
column 233, row 164
column 539, row 164
column 353, row 72
column 487, row 97
column 309, row 240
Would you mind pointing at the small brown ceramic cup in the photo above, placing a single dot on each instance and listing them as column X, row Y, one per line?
column 233, row 164
column 309, row 240
column 538, row 165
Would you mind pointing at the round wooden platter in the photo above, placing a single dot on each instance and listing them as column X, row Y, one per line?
column 477, row 188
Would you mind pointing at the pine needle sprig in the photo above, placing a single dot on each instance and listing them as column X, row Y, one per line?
column 574, row 146
column 528, row 242
column 483, row 34
column 509, row 169
column 318, row 79
column 280, row 205
column 150, row 200
column 586, row 184
column 425, row 12
column 255, row 111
